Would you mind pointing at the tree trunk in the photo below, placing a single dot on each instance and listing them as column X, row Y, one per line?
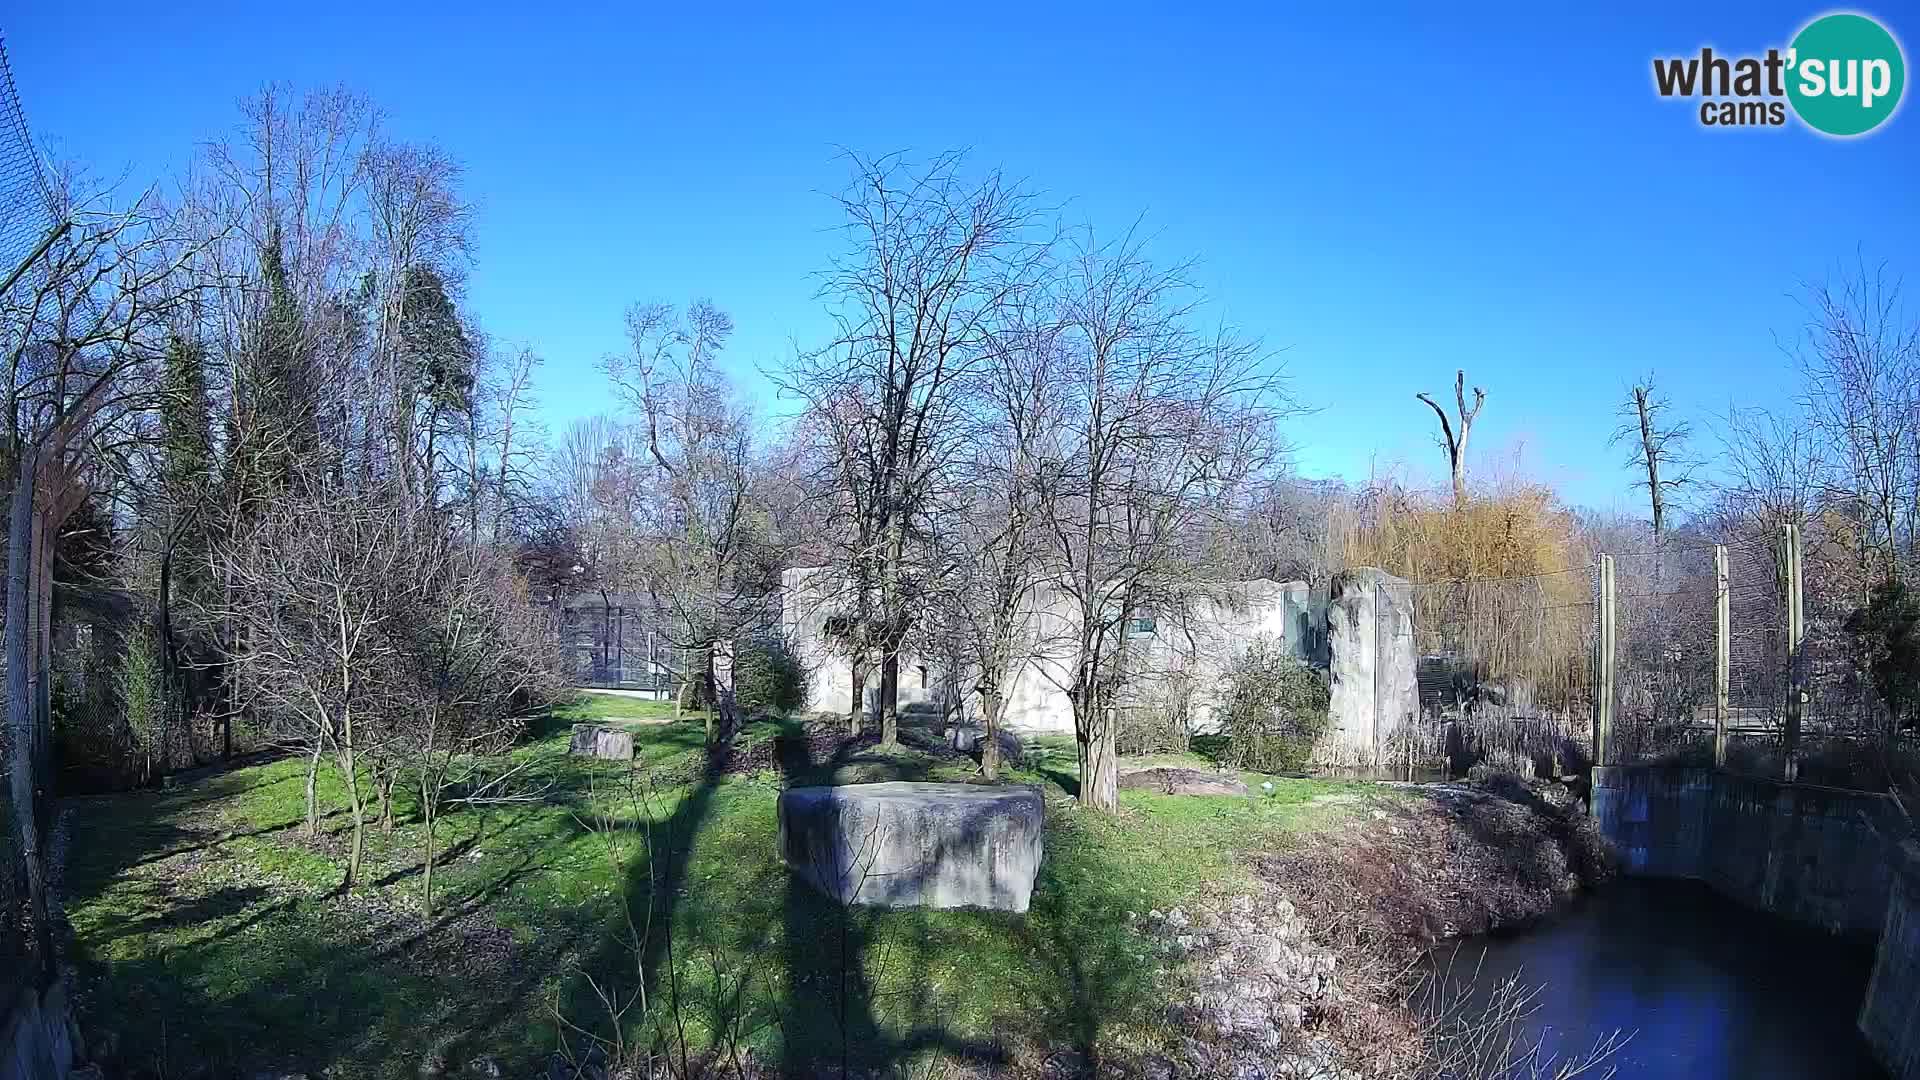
column 990, row 706
column 890, row 699
column 313, row 792
column 857, row 707
column 1650, row 451
column 23, row 785
column 358, row 808
column 720, row 681
column 386, row 803
column 40, row 581
column 1099, row 760
column 429, row 816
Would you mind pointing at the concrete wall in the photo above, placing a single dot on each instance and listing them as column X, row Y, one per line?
column 1890, row 1017
column 1807, row 853
column 1198, row 643
column 36, row 1036
column 1803, row 852
column 1372, row 672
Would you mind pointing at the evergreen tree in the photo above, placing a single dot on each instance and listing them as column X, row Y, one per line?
column 185, row 420
column 276, row 421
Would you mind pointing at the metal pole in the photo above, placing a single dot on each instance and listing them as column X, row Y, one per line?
column 1722, row 654
column 1796, row 644
column 1603, row 668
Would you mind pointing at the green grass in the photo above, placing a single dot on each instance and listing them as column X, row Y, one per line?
column 214, row 934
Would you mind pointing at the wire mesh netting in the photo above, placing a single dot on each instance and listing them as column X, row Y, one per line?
column 25, row 198
column 1504, row 671
column 1665, row 652
column 616, row 643
column 25, row 216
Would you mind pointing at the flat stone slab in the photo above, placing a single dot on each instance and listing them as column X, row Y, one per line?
column 901, row 844
column 1177, row 781
column 593, row 740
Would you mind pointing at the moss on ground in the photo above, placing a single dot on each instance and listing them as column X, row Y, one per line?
column 211, row 933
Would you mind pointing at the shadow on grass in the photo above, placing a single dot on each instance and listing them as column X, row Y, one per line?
column 831, row 1001
column 200, row 970
column 235, row 979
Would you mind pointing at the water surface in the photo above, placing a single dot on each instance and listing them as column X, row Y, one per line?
column 1709, row 989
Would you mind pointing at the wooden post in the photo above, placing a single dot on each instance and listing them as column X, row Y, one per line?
column 1796, row 643
column 1722, row 654
column 1603, row 667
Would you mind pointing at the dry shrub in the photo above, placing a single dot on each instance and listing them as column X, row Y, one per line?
column 1501, row 579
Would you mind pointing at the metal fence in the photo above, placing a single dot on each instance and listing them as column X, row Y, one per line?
column 1503, row 672
column 1735, row 654
column 614, row 643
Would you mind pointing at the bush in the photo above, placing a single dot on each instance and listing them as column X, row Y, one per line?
column 1887, row 640
column 767, row 675
column 1158, row 721
column 1272, row 708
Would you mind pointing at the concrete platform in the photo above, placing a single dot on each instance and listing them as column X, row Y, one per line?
column 902, row 844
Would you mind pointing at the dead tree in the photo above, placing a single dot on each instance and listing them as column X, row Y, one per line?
column 1659, row 448
column 1456, row 444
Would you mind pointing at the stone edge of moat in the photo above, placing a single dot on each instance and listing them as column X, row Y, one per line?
column 1814, row 855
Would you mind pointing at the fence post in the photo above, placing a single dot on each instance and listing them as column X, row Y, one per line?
column 1603, row 667
column 1796, row 643
column 1722, row 654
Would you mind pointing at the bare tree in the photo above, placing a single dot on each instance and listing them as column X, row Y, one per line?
column 1659, row 447
column 1455, row 444
column 83, row 323
column 933, row 260
column 482, row 656
column 708, row 559
column 1773, row 470
column 1859, row 358
column 995, row 560
column 1162, row 429
column 321, row 586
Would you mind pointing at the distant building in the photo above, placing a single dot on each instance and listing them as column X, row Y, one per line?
column 614, row 642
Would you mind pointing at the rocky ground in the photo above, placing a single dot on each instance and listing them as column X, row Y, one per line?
column 1309, row 976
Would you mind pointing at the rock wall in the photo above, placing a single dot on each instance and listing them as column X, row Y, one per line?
column 1802, row 852
column 1373, row 688
column 1890, row 1017
column 37, row 1040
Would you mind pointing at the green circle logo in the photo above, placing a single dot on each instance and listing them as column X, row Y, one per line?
column 1846, row 73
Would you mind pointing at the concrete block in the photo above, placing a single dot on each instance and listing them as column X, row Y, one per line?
column 582, row 740
column 593, row 740
column 614, row 745
column 915, row 845
column 1372, row 669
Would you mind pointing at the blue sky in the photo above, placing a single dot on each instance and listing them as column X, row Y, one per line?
column 1384, row 195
